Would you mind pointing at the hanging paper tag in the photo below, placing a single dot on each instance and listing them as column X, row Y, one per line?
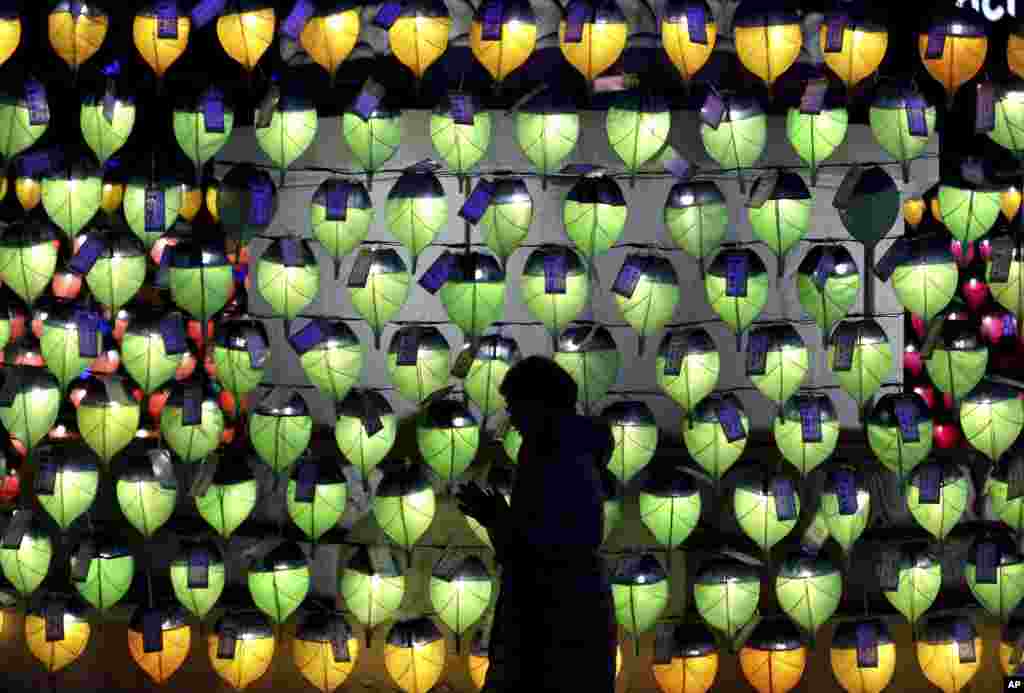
column 172, row 331
column 844, row 195
column 88, row 324
column 388, row 14
column 730, row 421
column 360, row 270
column 677, row 346
column 337, row 201
column 493, row 14
column 447, row 567
column 46, row 478
column 296, row 20
column 554, row 273
column 476, row 205
column 889, row 571
column 205, row 12
column 929, row 484
column 867, row 646
column 1015, row 479
column 305, row 485
column 679, row 167
column 87, row 255
column 823, row 270
column 435, row 277
column 167, row 19
column 198, row 569
column 38, row 107
column 810, row 420
column 1002, row 259
column 757, row 353
column 579, row 13
column 764, row 188
column 226, row 643
column 696, row 23
column 192, row 406
column 372, row 422
column 931, row 340
column 664, row 643
column 629, row 275
column 163, row 469
column 813, row 100
column 465, row 359
column 110, row 101
column 408, row 346
column 737, row 266
column 291, row 252
column 152, row 631
column 836, row 29
column 985, row 108
column 785, row 499
column 383, row 561
column 309, row 337
column 368, row 99
column 256, row 345
column 17, row 528
column 936, row 43
column 339, row 642
column 713, row 110
column 55, row 621
column 965, row 641
column 261, row 199
column 154, row 209
column 213, row 111
column 908, row 415
column 83, row 560
column 987, row 563
column 896, row 254
column 204, row 479
column 846, row 491
column 265, row 112
column 1009, row 325
column 462, row 108
column 917, row 123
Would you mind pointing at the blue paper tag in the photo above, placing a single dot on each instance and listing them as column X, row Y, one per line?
column 154, row 209
column 785, row 499
column 867, row 646
column 87, row 255
column 172, row 330
column 730, row 421
column 629, row 275
column 46, row 478
column 337, row 201
column 213, row 111
column 929, row 484
column 257, row 347
column 579, row 13
column 917, row 123
column 813, row 100
column 388, row 14
column 296, row 20
column 205, row 12
column 757, row 353
column 1009, row 325
column 110, row 101
column 360, row 270
column 677, row 347
column 291, row 252
column 842, row 360
column 810, row 420
column 309, row 337
column 493, row 13
column 554, row 273
column 152, row 631
column 823, row 270
column 462, row 108
column 88, row 324
column 198, row 569
column 985, row 108
column 408, row 347
column 936, row 43
column 908, row 416
column 476, row 205
column 713, row 110
column 836, row 29
column 435, row 277
column 261, row 200
column 167, row 19
column 846, row 491
column 305, row 486
column 368, row 99
column 192, row 406
column 987, row 564
column 680, row 168
column 736, row 269
column 965, row 641
column 696, row 23
column 38, row 107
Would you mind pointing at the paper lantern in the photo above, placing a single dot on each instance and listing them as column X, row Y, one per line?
column 993, row 570
column 70, row 342
column 854, row 46
column 500, row 479
column 317, row 494
column 863, row 656
column 646, row 293
column 594, row 214
column 547, row 130
column 161, row 31
column 241, row 648
column 503, row 36
column 115, row 267
column 246, row 31
column 241, row 355
column 330, row 35
column 448, row 437
column 846, row 506
column 670, row 505
column 638, row 126
column 495, row 356
column 937, row 496
column 737, row 285
column 715, row 433
column 56, row 631
column 340, row 215
column 726, row 594
column 280, row 428
column 147, row 499
column 872, row 206
column 460, row 144
column 592, row 36
column 66, row 481
column 416, row 210
column 1009, row 112
column 968, row 213
column 474, row 292
column 287, row 131
column 640, row 590
column 28, row 185
column 159, row 639
column 418, row 37
column 415, row 654
column 1007, row 470
column 992, row 417
column 373, row 139
column 418, row 361
column 635, row 432
column 807, row 431
column 201, row 280
column 697, row 218
column 330, row 355
column 774, row 657
column 479, row 659
column 203, row 125
column 555, row 287
column 949, row 652
column 816, row 130
column 780, row 214
column 1009, row 647
column 808, row 589
column 827, row 282
column 588, row 353
column 404, row 504
column 506, row 221
column 777, row 363
column 902, row 122
column 1009, row 202
column 112, row 197
column 767, row 508
column 101, row 572
column 1006, row 292
column 192, row 421
column 460, row 592
column 230, row 498
column 378, row 286
column 107, row 120
column 768, row 38
column 687, row 660
column 288, row 277
column 153, row 349
column 688, row 366
column 72, row 196
column 688, row 34
column 613, row 508
column 913, row 211
column 10, row 33
column 958, row 362
column 247, row 201
column 24, row 111
column 280, row 581
column 197, row 576
column 365, row 429
column 953, row 49
column 108, row 416
column 860, row 357
column 325, row 649
column 191, row 202
column 910, row 580
column 372, row 585
column 25, row 553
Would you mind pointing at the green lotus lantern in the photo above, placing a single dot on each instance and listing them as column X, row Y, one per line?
column 767, row 508
column 807, row 431
column 230, row 497
column 968, row 212
column 926, row 279
column 594, row 214
column 330, row 355
column 808, row 589
column 958, row 362
column 24, row 116
column 102, row 572
column 317, row 495
column 638, row 126
column 777, row 361
column 246, row 203
column 200, row 278
column 241, row 355
column 364, row 429
column 66, row 481
column 146, row 494
column 107, row 120
column 588, row 353
column 992, row 418
column 117, row 271
column 613, row 508
column 506, row 222
column 340, row 215
column 474, row 292
column 726, row 593
column 1009, row 474
column 372, row 138
column 827, row 284
column 1005, row 280
column 287, row 128
column 910, row 579
column 737, row 288
column 404, row 504
column 646, row 293
column 203, row 125
column 25, row 553
column 715, row 433
column 492, row 361
column 280, row 428
column 108, row 416
column 460, row 592
column 869, row 204
column 737, row 141
column 280, row 581
column 416, row 210
column 1009, row 118
column 372, row 585
column 29, row 403
column 197, row 576
column 378, row 286
column 448, row 438
column 555, row 287
column 192, row 421
column 288, row 277
column 640, row 590
column 418, row 361
column 547, row 130
column 636, row 437
column 28, row 258
column 688, row 366
column 696, row 216
column 460, row 132
column 72, row 196
column 153, row 349
column 816, row 130
column 500, row 479
column 937, row 496
column 846, row 506
column 670, row 505
column 779, row 210
column 902, row 122
column 997, row 485
column 860, row 357
column 994, row 573
column 70, row 342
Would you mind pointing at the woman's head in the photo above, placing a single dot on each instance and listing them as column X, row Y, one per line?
column 535, row 389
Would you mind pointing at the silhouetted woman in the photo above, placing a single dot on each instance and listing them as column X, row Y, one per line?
column 554, row 626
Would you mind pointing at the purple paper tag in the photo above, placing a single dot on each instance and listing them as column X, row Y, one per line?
column 46, row 478
column 110, row 101
column 987, row 564
column 696, row 26
column 309, row 337
column 917, row 124
column 83, row 560
column 291, row 252
column 674, row 356
column 713, row 110
column 965, row 641
column 192, row 406
column 810, row 420
column 929, row 484
column 368, row 99
column 629, row 275
column 476, row 205
column 1002, row 259
column 198, row 569
column 936, row 43
column 730, row 421
column 826, row 265
column 1015, row 480
column 408, row 347
column 167, row 19
column 493, row 13
column 813, row 100
column 205, row 12
column 1009, row 325
column 985, row 108
column 54, row 621
column 88, row 324
column 38, row 108
column 261, row 198
column 579, row 13
column 679, row 167
column 87, row 255
column 757, row 353
column 213, row 111
column 172, row 330
column 154, row 209
column 360, row 270
column 372, row 422
column 846, row 491
column 152, row 631
column 305, row 485
column 256, row 345
column 388, row 14
column 462, row 108
column 867, row 646
column 737, row 267
column 785, row 499
column 226, row 643
column 337, row 201
column 555, row 270
column 908, row 415
column 895, row 255
column 339, row 643
column 842, row 361
column 295, row 22
column 435, row 277
column 836, row 24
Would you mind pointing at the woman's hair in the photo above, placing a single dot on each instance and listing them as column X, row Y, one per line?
column 540, row 378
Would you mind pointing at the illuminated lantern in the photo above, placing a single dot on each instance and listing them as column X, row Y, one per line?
column 280, row 429
column 777, row 363
column 72, row 196
column 325, row 649
column 816, row 128
column 317, row 494
column 767, row 508
column 737, row 285
column 461, row 133
column 726, row 594
column 10, row 32
column 937, row 495
column 992, row 418
column 161, row 32
column 959, row 359
column 24, row 113
column 159, row 639
column 197, row 576
column 592, row 35
column 112, row 197
column 547, row 130
column 107, row 119
column 114, row 265
column 774, row 657
column 640, row 590
column 448, row 437
column 280, row 581
column 146, row 492
column 636, row 437
column 108, row 416
column 1010, row 647
column 70, row 342
column 588, row 353
column 241, row 647
column 288, row 277
column 191, row 202
column 340, row 215
column 846, row 506
column 25, row 352
column 372, row 136
column 28, row 258
column 56, row 631
column 247, row 202
column 460, row 592
column 492, row 361
column 853, row 45
column 780, row 213
column 863, row 656
column 418, row 361
column 101, row 572
column 151, row 208
column 685, row 658
column 473, row 292
column 670, row 505
column 696, row 217
column 242, row 355
column 417, row 32
column 286, row 125
column 230, row 497
column 211, row 194
column 378, row 286
column 365, row 429
column 1009, row 201
column 66, row 481
column 968, row 212
column 32, row 397
column 993, row 572
column 192, row 421
column 479, row 659
column 638, row 127
column 807, row 430
column 688, row 366
column 415, row 655
column 953, row 49
column 768, row 38
column 154, row 349
column 200, row 278
column 503, row 36
column 808, row 589
column 860, row 357
column 203, row 127
column 404, row 504
column 594, row 214
column 555, row 287
column 25, row 553
column 902, row 122
column 416, row 210
column 949, row 652
column 1009, row 112
column 330, row 35
column 688, row 34
column 715, row 433
column 372, row 585
column 246, row 31
column 1006, row 289
column 330, row 355
column 914, row 210
column 646, row 294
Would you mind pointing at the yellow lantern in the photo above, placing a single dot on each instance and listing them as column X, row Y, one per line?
column 953, row 49
column 415, row 655
column 1011, row 647
column 159, row 641
column 592, row 36
column 77, row 31
column 503, row 35
column 853, row 45
column 688, row 33
column 863, row 656
column 1015, row 50
column 1009, row 202
column 329, row 36
column 28, row 184
column 774, row 657
column 246, row 31
column 161, row 33
column 113, row 197
column 211, row 191
column 768, row 38
column 241, row 647
column 326, row 651
column 419, row 34
column 57, row 632
column 935, row 208
column 191, row 201
column 949, row 652
column 10, row 32
column 913, row 211
column 685, row 659
column 3, row 187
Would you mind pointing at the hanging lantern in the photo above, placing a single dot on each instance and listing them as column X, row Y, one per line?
column 101, row 572
column 66, row 481
column 949, row 652
column 241, row 354
column 72, row 196
column 697, row 218
column 372, row 137
column 247, row 200
column 506, row 221
column 325, row 650
column 153, row 349
column 24, row 111
column 685, row 659
column 777, row 363
column 114, row 265
column 107, row 119
column 737, row 286
column 828, row 282
column 32, row 397
column 280, row 581
column 372, row 585
column 937, row 496
column 640, row 590
column 555, row 287
column 10, row 33
column 288, row 277
column 241, row 647
column 28, row 186
column 404, row 504
column 330, row 35
column 192, row 421
column 246, row 31
column 688, row 34
column 993, row 572
column 670, row 505
column 418, row 361
column 56, row 631
column 161, row 32
column 914, row 210
column 910, row 580
column 992, row 417
column 415, row 655
column 112, row 196
column 25, row 553
column 191, row 202
column 715, row 433
column 688, row 366
column 638, row 126
column 25, row 352
column 159, row 639
column 286, row 125
column 1009, row 119
column 635, row 432
column 902, row 122
column 853, row 44
column 448, row 437
column 280, row 428
column 860, row 357
column 846, row 506
column 365, row 429
column 872, row 206
column 768, row 38
column 146, row 492
column 340, row 215
column 197, row 576
column 968, row 213
column 378, row 286
column 230, row 497
column 808, row 589
column 594, row 214
column 473, row 293
column 547, row 130
column 203, row 126
column 317, row 495
column 958, row 362
column 592, row 36
column 588, row 353
column 330, row 355
column 953, row 49
column 460, row 592
column 416, row 210
column 479, row 659
column 503, row 36
column 1009, row 202
column 417, row 33
column 1009, row 647
column 1010, row 468
column 493, row 359
column 767, row 509
column 70, row 342
column 646, row 293
column 1004, row 279
column 460, row 132
column 28, row 258
column 780, row 213
column 817, row 127
column 807, row 431
column 726, row 594
column 108, row 416
column 863, row 655
column 774, row 657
